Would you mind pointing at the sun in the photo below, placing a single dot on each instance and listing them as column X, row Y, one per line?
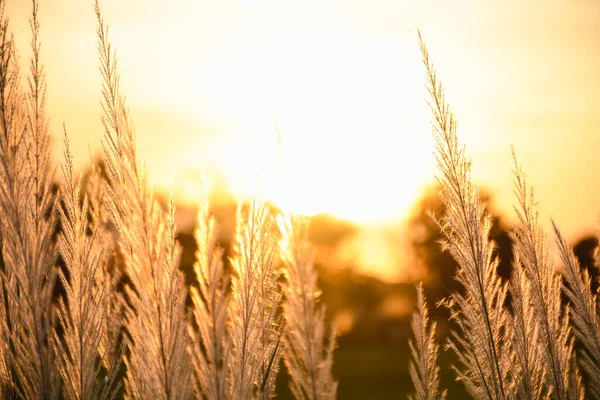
column 348, row 106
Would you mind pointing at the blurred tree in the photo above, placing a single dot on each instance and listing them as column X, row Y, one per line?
column 328, row 231
column 440, row 267
column 584, row 250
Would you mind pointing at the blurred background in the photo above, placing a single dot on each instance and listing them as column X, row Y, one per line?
column 211, row 84
column 371, row 311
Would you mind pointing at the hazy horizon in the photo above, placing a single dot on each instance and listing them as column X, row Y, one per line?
column 207, row 84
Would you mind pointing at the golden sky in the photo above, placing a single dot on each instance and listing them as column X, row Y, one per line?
column 207, row 81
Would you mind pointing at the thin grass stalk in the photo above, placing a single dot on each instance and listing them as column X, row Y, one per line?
column 158, row 365
column 84, row 310
column 530, row 243
column 98, row 222
column 529, row 369
column 211, row 351
column 309, row 348
column 257, row 326
column 479, row 313
column 29, row 216
column 423, row 368
column 584, row 313
column 10, row 111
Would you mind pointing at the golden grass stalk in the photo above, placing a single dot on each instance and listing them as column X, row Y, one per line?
column 309, row 348
column 424, row 371
column 98, row 222
column 529, row 370
column 211, row 351
column 12, row 122
column 84, row 311
column 28, row 208
column 584, row 314
column 257, row 325
column 158, row 366
column 478, row 311
column 530, row 245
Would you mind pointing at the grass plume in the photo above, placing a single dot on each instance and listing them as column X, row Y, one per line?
column 309, row 348
column 479, row 312
column 110, row 276
column 424, row 371
column 29, row 214
column 257, row 326
column 211, row 350
column 525, row 338
column 84, row 311
column 530, row 243
column 159, row 365
column 584, row 313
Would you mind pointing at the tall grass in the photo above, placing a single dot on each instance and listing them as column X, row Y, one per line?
column 525, row 337
column 585, row 314
column 28, row 207
column 512, row 339
column 212, row 342
column 530, row 244
column 257, row 324
column 309, row 348
column 158, row 365
column 424, row 371
column 478, row 311
column 84, row 311
column 111, row 345
column 11, row 175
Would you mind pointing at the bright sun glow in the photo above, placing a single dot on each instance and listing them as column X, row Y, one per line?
column 208, row 82
column 346, row 92
column 350, row 112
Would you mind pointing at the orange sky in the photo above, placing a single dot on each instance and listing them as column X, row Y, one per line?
column 207, row 80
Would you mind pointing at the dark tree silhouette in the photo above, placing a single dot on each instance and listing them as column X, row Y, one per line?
column 585, row 250
column 440, row 266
